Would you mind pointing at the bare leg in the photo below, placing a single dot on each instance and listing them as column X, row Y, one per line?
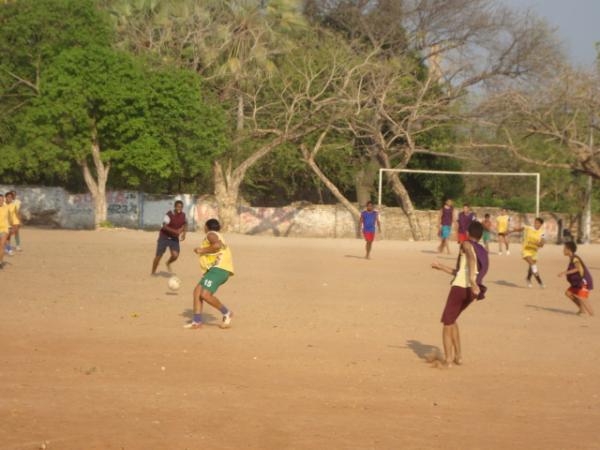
column 215, row 303
column 172, row 259
column 2, row 244
column 575, row 300
column 586, row 305
column 448, row 344
column 456, row 343
column 155, row 263
column 368, row 247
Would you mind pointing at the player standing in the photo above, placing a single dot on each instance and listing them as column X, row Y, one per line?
column 533, row 240
column 502, row 228
column 4, row 228
column 14, row 218
column 171, row 234
column 369, row 218
column 465, row 218
column 446, row 218
column 467, row 285
column 216, row 263
column 487, row 231
column 579, row 278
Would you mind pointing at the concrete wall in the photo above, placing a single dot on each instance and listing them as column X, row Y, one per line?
column 57, row 208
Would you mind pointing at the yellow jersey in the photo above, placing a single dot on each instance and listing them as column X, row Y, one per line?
column 222, row 259
column 531, row 239
column 13, row 217
column 4, row 219
column 502, row 224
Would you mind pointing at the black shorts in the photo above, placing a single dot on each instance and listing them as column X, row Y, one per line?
column 163, row 243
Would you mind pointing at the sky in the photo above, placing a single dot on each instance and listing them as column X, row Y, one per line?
column 578, row 23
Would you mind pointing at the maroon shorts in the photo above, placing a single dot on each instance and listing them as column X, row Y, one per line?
column 458, row 300
column 369, row 237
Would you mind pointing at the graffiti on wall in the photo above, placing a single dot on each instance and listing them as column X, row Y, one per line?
column 120, row 202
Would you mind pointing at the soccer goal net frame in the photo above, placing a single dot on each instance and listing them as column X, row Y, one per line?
column 449, row 172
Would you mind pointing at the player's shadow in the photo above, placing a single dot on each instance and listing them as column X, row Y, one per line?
column 354, row 256
column 163, row 274
column 207, row 319
column 554, row 310
column 507, row 284
column 425, row 352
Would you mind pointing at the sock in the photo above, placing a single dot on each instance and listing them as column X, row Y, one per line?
column 18, row 240
column 224, row 310
column 198, row 318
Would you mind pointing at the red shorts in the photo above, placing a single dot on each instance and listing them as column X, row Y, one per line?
column 462, row 237
column 369, row 236
column 582, row 292
column 458, row 300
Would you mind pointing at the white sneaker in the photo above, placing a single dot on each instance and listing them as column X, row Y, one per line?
column 507, row 253
column 19, row 249
column 529, row 285
column 226, row 323
column 10, row 253
column 193, row 325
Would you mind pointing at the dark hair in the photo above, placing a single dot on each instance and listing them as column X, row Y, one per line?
column 9, row 193
column 476, row 230
column 486, row 215
column 466, row 204
column 213, row 225
column 369, row 202
column 178, row 202
column 571, row 246
column 540, row 220
column 1, row 195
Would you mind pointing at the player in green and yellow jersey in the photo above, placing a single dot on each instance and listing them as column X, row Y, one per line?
column 533, row 240
column 216, row 263
column 502, row 228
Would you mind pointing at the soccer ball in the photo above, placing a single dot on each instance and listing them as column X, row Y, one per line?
column 174, row 283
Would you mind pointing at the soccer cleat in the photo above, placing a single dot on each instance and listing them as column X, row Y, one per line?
column 193, row 325
column 226, row 323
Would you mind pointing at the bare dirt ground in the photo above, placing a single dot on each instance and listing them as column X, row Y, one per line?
column 326, row 351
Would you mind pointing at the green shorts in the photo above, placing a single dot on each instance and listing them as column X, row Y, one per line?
column 213, row 279
column 486, row 236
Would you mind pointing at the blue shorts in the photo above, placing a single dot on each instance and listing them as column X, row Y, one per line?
column 446, row 230
column 162, row 244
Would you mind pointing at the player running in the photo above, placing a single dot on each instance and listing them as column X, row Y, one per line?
column 368, row 219
column 503, row 228
column 465, row 218
column 446, row 218
column 216, row 263
column 467, row 286
column 171, row 234
column 4, row 228
column 533, row 240
column 579, row 278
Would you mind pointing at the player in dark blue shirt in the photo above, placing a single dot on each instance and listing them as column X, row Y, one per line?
column 369, row 218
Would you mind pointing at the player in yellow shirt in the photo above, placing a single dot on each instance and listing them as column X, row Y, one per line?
column 533, row 240
column 216, row 263
column 502, row 229
column 15, row 205
column 14, row 217
column 4, row 228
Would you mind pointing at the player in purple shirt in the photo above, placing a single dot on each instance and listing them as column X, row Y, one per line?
column 369, row 218
column 465, row 217
column 446, row 218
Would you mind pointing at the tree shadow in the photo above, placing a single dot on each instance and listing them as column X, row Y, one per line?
column 554, row 310
column 279, row 218
column 507, row 284
column 207, row 319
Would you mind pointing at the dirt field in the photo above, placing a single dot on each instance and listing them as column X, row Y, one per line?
column 326, row 351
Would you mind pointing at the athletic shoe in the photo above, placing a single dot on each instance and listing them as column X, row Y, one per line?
column 10, row 252
column 529, row 285
column 193, row 325
column 226, row 323
column 19, row 249
column 542, row 286
column 507, row 253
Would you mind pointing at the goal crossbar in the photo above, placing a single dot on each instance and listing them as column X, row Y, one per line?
column 450, row 172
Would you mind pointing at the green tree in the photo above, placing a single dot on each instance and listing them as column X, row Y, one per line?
column 100, row 108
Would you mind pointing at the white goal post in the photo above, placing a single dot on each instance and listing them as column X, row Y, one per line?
column 448, row 172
